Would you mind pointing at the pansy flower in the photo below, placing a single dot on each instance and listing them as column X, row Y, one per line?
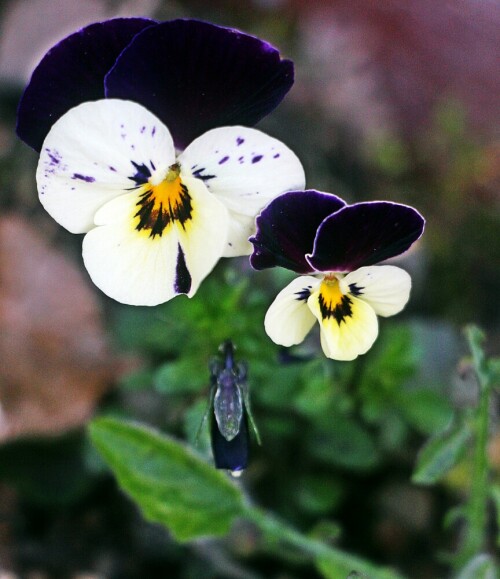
column 158, row 214
column 334, row 246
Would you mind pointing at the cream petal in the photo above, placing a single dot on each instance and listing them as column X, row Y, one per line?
column 245, row 168
column 349, row 336
column 95, row 152
column 385, row 287
column 241, row 227
column 288, row 320
column 136, row 268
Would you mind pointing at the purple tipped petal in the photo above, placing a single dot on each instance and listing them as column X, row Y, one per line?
column 196, row 76
column 71, row 73
column 287, row 227
column 365, row 234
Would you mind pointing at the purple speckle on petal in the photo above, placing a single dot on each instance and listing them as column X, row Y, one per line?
column 153, row 131
column 240, row 159
column 143, row 128
column 223, row 160
column 276, row 156
column 257, row 158
column 153, row 166
column 54, row 157
column 112, row 169
column 239, row 141
column 123, row 135
column 85, row 178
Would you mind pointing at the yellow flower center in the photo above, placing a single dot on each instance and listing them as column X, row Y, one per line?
column 163, row 203
column 332, row 302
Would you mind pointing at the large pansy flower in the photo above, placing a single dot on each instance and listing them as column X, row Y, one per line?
column 334, row 246
column 157, row 222
column 158, row 212
column 193, row 75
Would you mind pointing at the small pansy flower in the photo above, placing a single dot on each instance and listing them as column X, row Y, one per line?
column 158, row 215
column 334, row 246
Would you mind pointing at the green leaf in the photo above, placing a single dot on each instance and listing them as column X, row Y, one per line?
column 440, row 454
column 425, row 409
column 182, row 376
column 480, row 567
column 351, row 567
column 341, row 441
column 169, row 482
column 333, row 569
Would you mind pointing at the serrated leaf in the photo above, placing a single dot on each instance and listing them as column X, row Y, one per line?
column 168, row 481
column 440, row 454
column 480, row 567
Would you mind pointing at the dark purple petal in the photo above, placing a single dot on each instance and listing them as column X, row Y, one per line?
column 196, row 76
column 365, row 234
column 287, row 227
column 72, row 72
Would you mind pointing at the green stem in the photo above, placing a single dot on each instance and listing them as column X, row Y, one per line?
column 477, row 506
column 331, row 560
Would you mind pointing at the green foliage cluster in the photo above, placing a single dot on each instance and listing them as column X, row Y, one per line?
column 326, row 427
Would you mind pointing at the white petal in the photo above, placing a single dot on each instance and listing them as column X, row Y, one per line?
column 241, row 227
column 88, row 158
column 347, row 338
column 134, row 268
column 288, row 320
column 385, row 287
column 245, row 168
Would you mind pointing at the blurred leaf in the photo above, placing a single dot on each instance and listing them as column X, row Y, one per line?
column 182, row 376
column 332, row 568
column 341, row 441
column 318, row 494
column 480, row 567
column 393, row 361
column 453, row 516
column 440, row 454
column 137, row 380
column 425, row 409
column 326, row 531
column 275, row 384
column 494, row 371
column 170, row 483
column 394, row 432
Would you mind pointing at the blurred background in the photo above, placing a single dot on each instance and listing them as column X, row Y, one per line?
column 393, row 99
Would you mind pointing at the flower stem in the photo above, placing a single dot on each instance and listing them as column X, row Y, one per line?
column 476, row 509
column 331, row 561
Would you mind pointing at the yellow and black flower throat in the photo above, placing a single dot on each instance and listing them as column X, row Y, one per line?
column 332, row 302
column 163, row 204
